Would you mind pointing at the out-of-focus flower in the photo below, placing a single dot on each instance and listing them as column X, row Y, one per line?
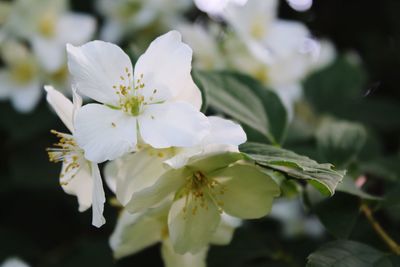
column 202, row 190
column 20, row 78
column 135, row 172
column 48, row 26
column 135, row 232
column 14, row 262
column 158, row 102
column 284, row 47
column 216, row 7
column 207, row 52
column 79, row 176
column 126, row 17
column 300, row 5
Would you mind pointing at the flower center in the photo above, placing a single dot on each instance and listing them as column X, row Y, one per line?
column 67, row 152
column 257, row 29
column 201, row 190
column 47, row 24
column 23, row 72
column 131, row 98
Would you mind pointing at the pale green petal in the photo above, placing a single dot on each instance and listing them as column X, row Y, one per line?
column 214, row 162
column 165, row 185
column 136, row 172
column 135, row 232
column 173, row 259
column 225, row 230
column 248, row 192
column 192, row 226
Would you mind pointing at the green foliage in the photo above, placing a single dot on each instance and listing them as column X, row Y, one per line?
column 339, row 142
column 245, row 100
column 339, row 214
column 323, row 176
column 345, row 253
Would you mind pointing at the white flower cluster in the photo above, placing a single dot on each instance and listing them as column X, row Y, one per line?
column 33, row 35
column 178, row 174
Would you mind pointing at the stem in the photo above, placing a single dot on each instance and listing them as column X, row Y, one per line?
column 394, row 247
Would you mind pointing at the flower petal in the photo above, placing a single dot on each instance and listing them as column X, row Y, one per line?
column 176, row 124
column 104, row 133
column 24, row 98
column 97, row 67
column 61, row 105
column 134, row 232
column 81, row 186
column 75, row 28
column 98, row 197
column 49, row 53
column 165, row 185
column 248, row 192
column 167, row 62
column 211, row 163
column 190, row 225
column 224, row 132
column 136, row 172
column 173, row 259
column 224, row 233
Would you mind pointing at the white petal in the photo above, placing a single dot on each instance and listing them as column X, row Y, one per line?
column 165, row 185
column 110, row 172
column 98, row 197
column 286, row 38
column 25, row 97
column 75, row 28
column 81, row 186
column 167, row 62
column 136, row 172
column 176, row 124
column 61, row 105
column 173, row 259
column 134, row 232
column 98, row 66
column 224, row 132
column 50, row 53
column 190, row 225
column 104, row 133
column 111, row 31
column 224, row 233
column 14, row 262
column 248, row 192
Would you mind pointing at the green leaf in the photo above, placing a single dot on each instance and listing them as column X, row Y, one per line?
column 348, row 186
column 346, row 253
column 341, row 81
column 323, row 176
column 339, row 214
column 340, row 142
column 246, row 100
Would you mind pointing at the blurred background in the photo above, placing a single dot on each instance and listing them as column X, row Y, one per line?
column 40, row 224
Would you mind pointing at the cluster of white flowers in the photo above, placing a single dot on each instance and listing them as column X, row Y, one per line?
column 178, row 174
column 32, row 44
column 279, row 53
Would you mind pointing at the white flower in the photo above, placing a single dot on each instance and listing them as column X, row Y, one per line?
column 48, row 26
column 206, row 51
column 19, row 80
column 124, row 17
column 135, row 172
column 135, row 232
column 216, row 7
column 159, row 102
column 14, row 262
column 79, row 176
column 201, row 191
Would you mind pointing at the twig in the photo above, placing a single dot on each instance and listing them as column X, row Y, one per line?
column 394, row 247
